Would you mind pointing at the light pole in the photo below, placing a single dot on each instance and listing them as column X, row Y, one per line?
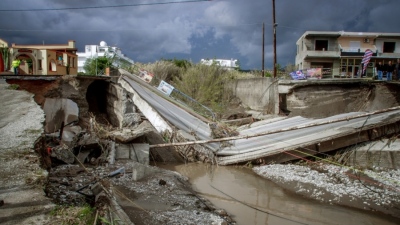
column 263, row 34
column 274, row 25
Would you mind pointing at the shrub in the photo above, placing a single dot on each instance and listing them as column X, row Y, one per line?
column 162, row 70
column 206, row 84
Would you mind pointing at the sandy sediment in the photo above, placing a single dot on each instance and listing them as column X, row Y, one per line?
column 369, row 190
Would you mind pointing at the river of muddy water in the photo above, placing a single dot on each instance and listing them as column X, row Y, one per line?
column 250, row 199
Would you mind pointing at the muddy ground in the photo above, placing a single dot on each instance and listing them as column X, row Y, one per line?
column 161, row 197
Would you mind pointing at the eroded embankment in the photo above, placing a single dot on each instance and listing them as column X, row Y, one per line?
column 324, row 99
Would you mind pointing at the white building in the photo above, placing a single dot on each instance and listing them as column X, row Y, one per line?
column 102, row 50
column 226, row 63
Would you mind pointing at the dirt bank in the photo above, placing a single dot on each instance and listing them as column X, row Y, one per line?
column 21, row 177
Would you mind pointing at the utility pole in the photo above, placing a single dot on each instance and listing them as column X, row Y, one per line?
column 274, row 26
column 263, row 34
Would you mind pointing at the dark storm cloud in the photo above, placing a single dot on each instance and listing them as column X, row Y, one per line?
column 219, row 28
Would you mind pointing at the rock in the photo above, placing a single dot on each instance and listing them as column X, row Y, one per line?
column 63, row 153
column 58, row 111
column 128, row 135
column 221, row 212
column 131, row 119
column 162, row 182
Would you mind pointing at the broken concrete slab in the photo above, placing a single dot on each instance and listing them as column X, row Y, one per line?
column 382, row 154
column 69, row 134
column 111, row 153
column 127, row 135
column 136, row 152
column 140, row 171
column 87, row 139
column 131, row 119
column 58, row 111
column 83, row 154
column 140, row 153
column 63, row 153
column 122, row 151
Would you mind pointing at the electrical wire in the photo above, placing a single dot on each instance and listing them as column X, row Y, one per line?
column 102, row 7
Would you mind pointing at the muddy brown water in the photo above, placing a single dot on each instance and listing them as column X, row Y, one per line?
column 251, row 199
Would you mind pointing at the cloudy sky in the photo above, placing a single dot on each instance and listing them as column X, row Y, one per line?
column 148, row 30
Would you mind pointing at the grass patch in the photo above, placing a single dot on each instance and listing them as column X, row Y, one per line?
column 33, row 132
column 13, row 87
column 72, row 215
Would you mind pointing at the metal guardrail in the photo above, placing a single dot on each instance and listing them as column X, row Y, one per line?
column 192, row 103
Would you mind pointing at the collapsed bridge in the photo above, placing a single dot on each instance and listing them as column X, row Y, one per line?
column 278, row 140
column 146, row 120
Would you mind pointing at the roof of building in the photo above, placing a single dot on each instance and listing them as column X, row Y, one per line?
column 348, row 34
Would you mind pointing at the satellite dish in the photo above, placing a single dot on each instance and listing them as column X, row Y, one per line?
column 103, row 44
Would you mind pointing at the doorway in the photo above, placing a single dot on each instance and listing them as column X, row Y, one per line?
column 26, row 66
column 352, row 70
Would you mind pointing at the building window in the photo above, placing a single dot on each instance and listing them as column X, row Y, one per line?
column 40, row 64
column 389, row 47
column 321, row 45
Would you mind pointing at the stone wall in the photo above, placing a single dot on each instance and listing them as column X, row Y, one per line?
column 259, row 94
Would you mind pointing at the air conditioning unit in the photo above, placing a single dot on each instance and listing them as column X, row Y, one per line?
column 371, row 64
column 366, row 40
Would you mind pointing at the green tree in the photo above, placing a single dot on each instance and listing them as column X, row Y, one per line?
column 181, row 63
column 238, row 65
column 96, row 66
column 4, row 51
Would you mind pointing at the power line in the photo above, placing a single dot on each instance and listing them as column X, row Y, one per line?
column 117, row 30
column 101, row 7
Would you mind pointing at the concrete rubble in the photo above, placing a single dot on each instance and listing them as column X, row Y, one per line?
column 84, row 168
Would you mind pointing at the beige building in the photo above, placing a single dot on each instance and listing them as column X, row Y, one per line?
column 56, row 59
column 3, row 58
column 340, row 53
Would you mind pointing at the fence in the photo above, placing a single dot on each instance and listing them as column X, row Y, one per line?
column 193, row 104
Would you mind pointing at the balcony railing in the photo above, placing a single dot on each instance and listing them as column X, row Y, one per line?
column 358, row 50
column 312, row 53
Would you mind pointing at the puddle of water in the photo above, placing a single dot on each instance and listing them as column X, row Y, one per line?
column 251, row 199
